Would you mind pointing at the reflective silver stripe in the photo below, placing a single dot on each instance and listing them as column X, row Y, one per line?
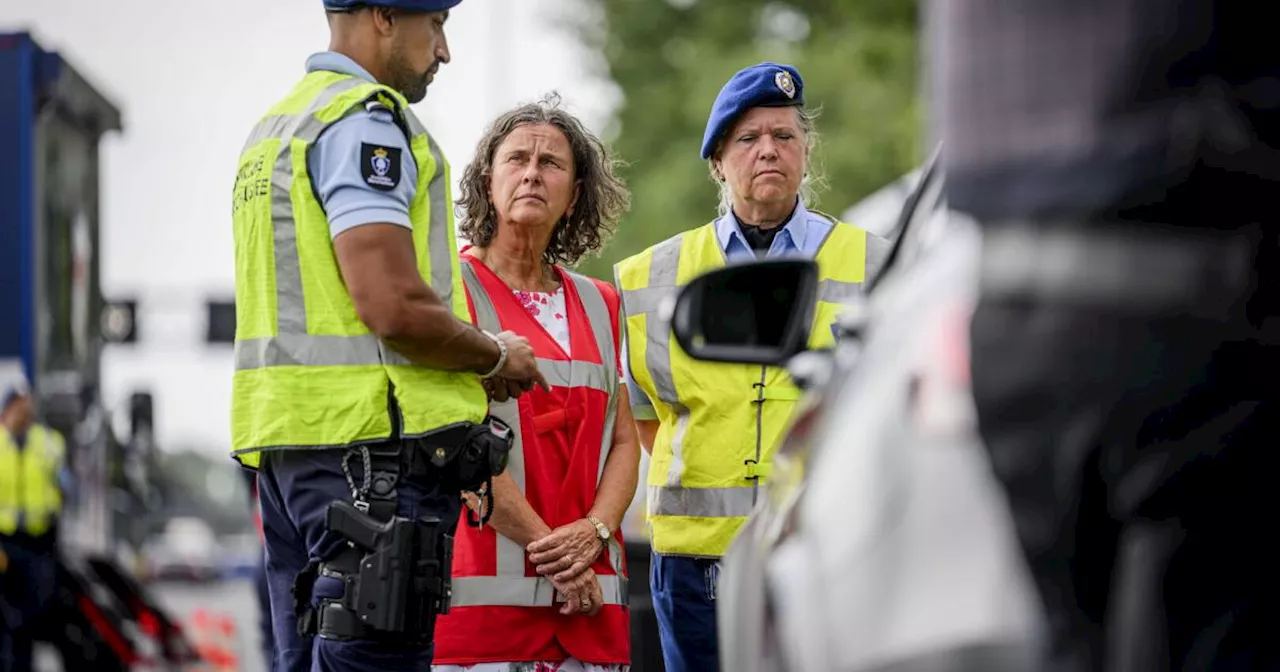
column 646, row 300
column 511, row 555
column 486, row 314
column 304, row 126
column 701, row 502
column 602, row 329
column 572, row 373
column 606, row 436
column 598, row 317
column 663, row 268
column 441, row 251
column 836, row 291
column 299, row 350
column 291, row 308
column 675, row 470
column 524, row 591
column 415, row 125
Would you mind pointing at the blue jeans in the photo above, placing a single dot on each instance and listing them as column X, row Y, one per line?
column 684, row 599
column 295, row 488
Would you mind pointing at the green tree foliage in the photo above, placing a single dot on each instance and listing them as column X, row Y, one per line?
column 669, row 58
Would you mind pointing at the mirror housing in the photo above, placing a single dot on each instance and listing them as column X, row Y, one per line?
column 757, row 312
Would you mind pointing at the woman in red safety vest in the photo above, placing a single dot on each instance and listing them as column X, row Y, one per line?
column 542, row 585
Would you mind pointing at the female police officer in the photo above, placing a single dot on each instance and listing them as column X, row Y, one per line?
column 712, row 428
column 357, row 389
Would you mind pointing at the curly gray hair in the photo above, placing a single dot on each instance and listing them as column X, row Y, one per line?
column 602, row 200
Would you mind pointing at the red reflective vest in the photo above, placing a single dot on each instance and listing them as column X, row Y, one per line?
column 501, row 610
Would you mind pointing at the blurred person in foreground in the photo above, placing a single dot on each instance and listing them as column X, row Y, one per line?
column 357, row 391
column 31, row 459
column 1122, row 159
column 548, row 572
column 713, row 428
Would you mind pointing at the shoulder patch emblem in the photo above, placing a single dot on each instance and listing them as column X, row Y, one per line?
column 380, row 166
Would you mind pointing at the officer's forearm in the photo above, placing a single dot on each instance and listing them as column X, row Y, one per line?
column 390, row 297
column 430, row 335
column 621, row 470
column 513, row 516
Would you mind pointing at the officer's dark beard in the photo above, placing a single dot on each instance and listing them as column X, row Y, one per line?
column 411, row 84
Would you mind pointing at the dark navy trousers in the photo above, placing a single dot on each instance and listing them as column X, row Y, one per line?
column 27, row 586
column 266, row 633
column 684, row 599
column 295, row 488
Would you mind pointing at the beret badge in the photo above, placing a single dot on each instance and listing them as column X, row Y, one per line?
column 785, row 83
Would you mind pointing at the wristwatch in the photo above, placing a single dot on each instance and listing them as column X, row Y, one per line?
column 601, row 530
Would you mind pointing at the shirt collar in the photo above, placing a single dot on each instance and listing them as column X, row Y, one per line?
column 728, row 228
column 335, row 62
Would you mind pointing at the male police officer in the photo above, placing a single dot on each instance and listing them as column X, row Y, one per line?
column 712, row 428
column 31, row 458
column 357, row 388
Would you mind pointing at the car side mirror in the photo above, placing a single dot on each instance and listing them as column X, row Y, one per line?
column 751, row 313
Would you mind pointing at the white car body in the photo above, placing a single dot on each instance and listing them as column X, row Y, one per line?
column 882, row 541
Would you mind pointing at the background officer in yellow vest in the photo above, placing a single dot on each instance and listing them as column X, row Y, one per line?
column 31, row 459
column 357, row 391
column 712, row 428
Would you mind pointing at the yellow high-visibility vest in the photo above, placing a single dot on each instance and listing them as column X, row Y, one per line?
column 308, row 372
column 29, row 481
column 719, row 424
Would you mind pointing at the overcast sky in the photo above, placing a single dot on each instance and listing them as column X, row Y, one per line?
column 191, row 79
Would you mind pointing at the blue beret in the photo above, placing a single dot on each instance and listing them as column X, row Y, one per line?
column 407, row 5
column 763, row 85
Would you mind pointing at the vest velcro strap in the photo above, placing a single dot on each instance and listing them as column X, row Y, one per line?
column 776, row 393
column 758, row 470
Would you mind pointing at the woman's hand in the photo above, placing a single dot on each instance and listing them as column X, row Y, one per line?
column 582, row 594
column 567, row 552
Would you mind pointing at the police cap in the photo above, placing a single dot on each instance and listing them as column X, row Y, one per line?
column 762, row 85
column 406, row 5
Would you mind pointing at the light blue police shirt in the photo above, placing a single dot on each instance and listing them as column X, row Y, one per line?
column 802, row 235
column 335, row 161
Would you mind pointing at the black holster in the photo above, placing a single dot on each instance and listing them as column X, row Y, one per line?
column 395, row 577
column 395, row 571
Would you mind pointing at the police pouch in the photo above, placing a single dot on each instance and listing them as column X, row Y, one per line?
column 481, row 455
column 395, row 575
